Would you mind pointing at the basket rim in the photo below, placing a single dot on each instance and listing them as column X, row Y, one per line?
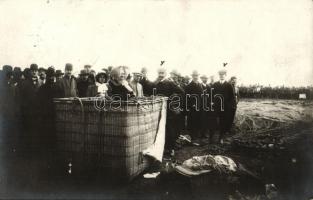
column 133, row 101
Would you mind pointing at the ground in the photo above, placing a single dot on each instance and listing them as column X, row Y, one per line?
column 281, row 156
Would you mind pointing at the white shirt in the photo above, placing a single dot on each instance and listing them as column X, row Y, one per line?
column 102, row 88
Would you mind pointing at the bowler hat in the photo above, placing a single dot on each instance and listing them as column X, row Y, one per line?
column 58, row 72
column 41, row 69
column 50, row 72
column 7, row 68
column 83, row 72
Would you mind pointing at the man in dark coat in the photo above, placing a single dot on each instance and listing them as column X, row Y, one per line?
column 59, row 75
column 42, row 76
column 8, row 131
column 224, row 100
column 46, row 93
column 29, row 108
column 167, row 88
column 233, row 82
column 67, row 86
column 83, row 83
column 194, row 95
column 147, row 86
column 209, row 116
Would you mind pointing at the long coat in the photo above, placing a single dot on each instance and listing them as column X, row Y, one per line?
column 168, row 88
column 46, row 93
column 226, row 90
column 194, row 93
column 224, row 108
column 82, row 87
column 30, row 112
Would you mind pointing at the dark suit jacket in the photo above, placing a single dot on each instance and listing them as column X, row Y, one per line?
column 194, row 101
column 225, row 90
column 147, row 86
column 67, row 87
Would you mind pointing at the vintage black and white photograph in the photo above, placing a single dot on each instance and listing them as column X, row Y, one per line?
column 156, row 99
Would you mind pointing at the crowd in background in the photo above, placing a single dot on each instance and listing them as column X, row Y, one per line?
column 27, row 98
column 259, row 91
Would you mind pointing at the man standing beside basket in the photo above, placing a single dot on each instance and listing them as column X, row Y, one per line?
column 166, row 87
column 67, row 85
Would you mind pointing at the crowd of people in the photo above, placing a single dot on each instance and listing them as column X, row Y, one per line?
column 260, row 91
column 28, row 110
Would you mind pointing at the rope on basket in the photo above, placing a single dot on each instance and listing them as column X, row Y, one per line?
column 83, row 119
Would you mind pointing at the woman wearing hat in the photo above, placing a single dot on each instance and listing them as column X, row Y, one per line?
column 100, row 87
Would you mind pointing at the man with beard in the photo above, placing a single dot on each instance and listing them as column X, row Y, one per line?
column 167, row 88
column 194, row 95
column 29, row 108
column 224, row 99
column 67, row 86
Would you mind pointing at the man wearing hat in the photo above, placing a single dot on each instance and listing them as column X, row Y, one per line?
column 88, row 68
column 166, row 87
column 46, row 93
column 233, row 82
column 147, row 85
column 29, row 106
column 194, row 95
column 67, row 85
column 82, row 83
column 135, row 84
column 224, row 99
column 58, row 75
column 3, row 78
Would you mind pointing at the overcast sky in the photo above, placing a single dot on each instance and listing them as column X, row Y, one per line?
column 266, row 42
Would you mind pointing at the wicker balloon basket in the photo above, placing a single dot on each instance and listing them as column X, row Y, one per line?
column 107, row 136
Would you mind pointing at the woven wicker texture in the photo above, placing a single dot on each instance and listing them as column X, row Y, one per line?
column 112, row 138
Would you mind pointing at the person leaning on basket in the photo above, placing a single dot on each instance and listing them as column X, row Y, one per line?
column 119, row 85
column 67, row 85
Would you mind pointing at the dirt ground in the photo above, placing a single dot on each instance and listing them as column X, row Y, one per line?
column 286, row 163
